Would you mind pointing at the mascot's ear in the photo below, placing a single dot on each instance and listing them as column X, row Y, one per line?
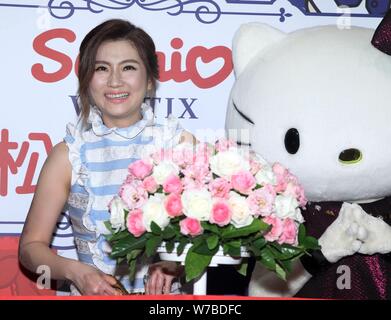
column 251, row 39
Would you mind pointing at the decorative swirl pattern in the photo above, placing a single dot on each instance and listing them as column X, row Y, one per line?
column 205, row 11
column 66, row 6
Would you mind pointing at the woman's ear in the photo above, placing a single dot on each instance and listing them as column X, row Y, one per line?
column 149, row 85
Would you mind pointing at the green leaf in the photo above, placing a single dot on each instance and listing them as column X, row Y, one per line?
column 119, row 260
column 151, row 245
column 170, row 245
column 182, row 244
column 267, row 259
column 133, row 254
column 280, row 272
column 257, row 245
column 126, row 245
column 210, row 227
column 287, row 265
column 155, row 228
column 212, row 241
column 132, row 269
column 236, row 243
column 169, row 232
column 202, row 248
column 195, row 264
column 311, row 243
column 117, row 236
column 108, row 226
column 242, row 269
column 225, row 248
column 199, row 240
column 302, row 234
column 259, row 242
column 285, row 251
column 233, row 248
column 256, row 226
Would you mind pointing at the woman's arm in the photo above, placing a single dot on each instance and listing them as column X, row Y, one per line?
column 49, row 199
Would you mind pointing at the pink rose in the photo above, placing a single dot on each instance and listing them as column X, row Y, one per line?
column 221, row 213
column 129, row 179
column 162, row 155
column 289, row 232
column 190, row 226
column 297, row 191
column 133, row 194
column 276, row 230
column 197, row 174
column 173, row 205
column 135, row 223
column 190, row 183
column 203, row 153
column 224, row 144
column 219, row 188
column 157, row 156
column 150, row 184
column 184, row 156
column 255, row 166
column 140, row 169
column 279, row 169
column 261, row 201
column 282, row 176
column 172, row 184
column 243, row 182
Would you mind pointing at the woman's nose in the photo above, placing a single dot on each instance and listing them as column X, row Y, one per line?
column 115, row 79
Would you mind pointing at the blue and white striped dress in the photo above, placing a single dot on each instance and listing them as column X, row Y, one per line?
column 100, row 157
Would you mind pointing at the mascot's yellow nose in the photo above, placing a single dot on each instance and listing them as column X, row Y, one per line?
column 350, row 156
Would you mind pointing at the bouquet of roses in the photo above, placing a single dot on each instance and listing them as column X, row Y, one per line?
column 209, row 198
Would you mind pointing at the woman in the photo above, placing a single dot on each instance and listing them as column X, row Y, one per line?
column 118, row 67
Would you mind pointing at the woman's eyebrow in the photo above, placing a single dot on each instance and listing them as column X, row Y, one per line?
column 122, row 62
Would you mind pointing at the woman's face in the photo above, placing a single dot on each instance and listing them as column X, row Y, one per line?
column 119, row 83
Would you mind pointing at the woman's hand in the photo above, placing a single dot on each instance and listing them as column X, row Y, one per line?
column 91, row 281
column 160, row 277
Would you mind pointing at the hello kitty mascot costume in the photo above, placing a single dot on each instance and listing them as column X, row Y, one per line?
column 319, row 102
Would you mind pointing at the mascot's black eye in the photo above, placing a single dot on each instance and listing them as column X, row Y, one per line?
column 292, row 141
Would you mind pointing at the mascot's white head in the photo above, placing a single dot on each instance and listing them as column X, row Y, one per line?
column 319, row 102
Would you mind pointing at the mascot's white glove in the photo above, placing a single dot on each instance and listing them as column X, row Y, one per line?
column 378, row 238
column 345, row 235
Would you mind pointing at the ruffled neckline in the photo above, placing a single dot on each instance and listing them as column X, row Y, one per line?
column 100, row 129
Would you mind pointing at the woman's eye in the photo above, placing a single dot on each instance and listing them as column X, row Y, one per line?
column 100, row 68
column 129, row 68
column 292, row 141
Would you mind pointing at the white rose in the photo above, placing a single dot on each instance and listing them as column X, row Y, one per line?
column 153, row 210
column 197, row 204
column 117, row 213
column 266, row 176
column 241, row 213
column 184, row 146
column 227, row 163
column 163, row 170
column 288, row 207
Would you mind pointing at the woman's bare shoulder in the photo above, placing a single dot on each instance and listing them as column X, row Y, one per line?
column 57, row 163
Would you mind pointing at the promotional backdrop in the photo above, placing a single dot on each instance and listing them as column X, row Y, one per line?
column 38, row 57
